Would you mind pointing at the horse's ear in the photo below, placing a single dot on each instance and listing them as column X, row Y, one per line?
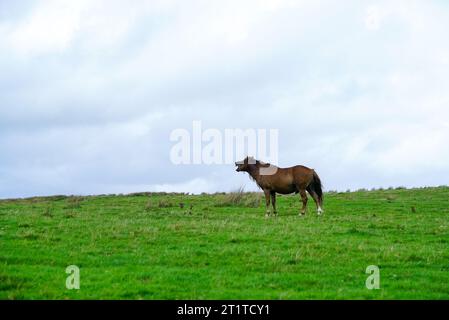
column 251, row 160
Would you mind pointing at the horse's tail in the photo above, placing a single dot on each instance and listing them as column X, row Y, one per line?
column 317, row 186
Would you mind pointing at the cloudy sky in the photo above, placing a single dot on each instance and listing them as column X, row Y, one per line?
column 90, row 91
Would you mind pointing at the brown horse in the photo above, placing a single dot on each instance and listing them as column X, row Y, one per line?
column 272, row 180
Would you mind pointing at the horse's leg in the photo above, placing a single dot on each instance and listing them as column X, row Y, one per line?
column 267, row 201
column 316, row 199
column 273, row 202
column 303, row 194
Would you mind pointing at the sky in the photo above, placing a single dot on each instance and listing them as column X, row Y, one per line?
column 91, row 90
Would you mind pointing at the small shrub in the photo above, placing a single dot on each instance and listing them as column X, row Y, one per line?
column 391, row 198
column 149, row 205
column 163, row 203
column 239, row 198
column 55, row 198
column 234, row 198
column 252, row 200
column 139, row 194
column 74, row 202
column 48, row 212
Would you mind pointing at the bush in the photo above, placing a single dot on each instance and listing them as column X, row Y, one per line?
column 239, row 198
column 162, row 203
column 73, row 202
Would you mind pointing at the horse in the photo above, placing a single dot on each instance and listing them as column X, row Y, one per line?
column 272, row 180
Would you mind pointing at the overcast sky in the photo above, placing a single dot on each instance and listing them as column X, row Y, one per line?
column 91, row 90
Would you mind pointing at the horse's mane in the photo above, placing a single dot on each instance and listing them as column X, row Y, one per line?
column 262, row 164
column 259, row 164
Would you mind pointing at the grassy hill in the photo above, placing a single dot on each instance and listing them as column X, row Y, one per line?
column 175, row 246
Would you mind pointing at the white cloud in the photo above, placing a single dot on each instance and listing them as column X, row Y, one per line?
column 351, row 87
column 49, row 28
column 373, row 18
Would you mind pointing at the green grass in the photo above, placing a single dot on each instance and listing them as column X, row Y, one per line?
column 148, row 247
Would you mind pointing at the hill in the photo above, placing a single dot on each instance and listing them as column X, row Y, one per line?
column 177, row 246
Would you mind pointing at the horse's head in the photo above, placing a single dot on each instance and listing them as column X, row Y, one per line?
column 244, row 164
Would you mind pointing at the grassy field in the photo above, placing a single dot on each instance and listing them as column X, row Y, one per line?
column 222, row 247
